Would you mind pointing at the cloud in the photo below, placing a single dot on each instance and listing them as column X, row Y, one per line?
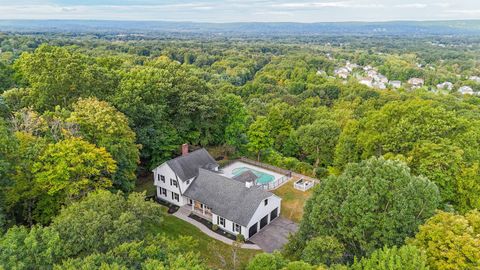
column 414, row 5
column 339, row 4
column 241, row 10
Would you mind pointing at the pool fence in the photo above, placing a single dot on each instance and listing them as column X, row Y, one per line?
column 287, row 174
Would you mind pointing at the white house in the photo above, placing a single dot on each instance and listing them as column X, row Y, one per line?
column 236, row 205
column 466, row 90
column 368, row 81
column 395, row 84
column 445, row 85
column 342, row 72
column 416, row 82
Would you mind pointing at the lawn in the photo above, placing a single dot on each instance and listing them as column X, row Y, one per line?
column 210, row 249
column 145, row 183
column 293, row 200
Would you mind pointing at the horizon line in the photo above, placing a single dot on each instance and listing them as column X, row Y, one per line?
column 245, row 22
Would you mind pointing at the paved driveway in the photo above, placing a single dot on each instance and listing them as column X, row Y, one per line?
column 274, row 235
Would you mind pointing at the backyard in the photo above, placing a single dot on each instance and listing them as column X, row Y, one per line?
column 293, row 200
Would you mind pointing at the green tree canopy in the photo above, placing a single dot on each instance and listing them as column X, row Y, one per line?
column 318, row 140
column 59, row 75
column 373, row 203
column 104, row 126
column 451, row 241
column 69, row 169
column 403, row 258
column 259, row 137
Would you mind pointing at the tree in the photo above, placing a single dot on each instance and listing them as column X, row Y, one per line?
column 58, row 75
column 437, row 138
column 373, row 203
column 8, row 147
column 451, row 241
column 259, row 137
column 403, row 258
column 266, row 261
column 299, row 265
column 235, row 121
column 24, row 195
column 104, row 220
column 153, row 253
column 318, row 140
column 323, row 250
column 68, row 170
column 104, row 126
column 23, row 248
column 167, row 106
column 6, row 77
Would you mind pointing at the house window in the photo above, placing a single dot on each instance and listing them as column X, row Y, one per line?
column 162, row 178
column 236, row 228
column 187, row 182
column 221, row 221
column 173, row 182
column 163, row 191
column 175, row 196
column 190, row 201
column 265, row 201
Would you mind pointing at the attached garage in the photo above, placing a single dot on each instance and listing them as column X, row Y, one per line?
column 273, row 214
column 263, row 222
column 253, row 230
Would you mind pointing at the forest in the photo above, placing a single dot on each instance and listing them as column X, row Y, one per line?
column 84, row 116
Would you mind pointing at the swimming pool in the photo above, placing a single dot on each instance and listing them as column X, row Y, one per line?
column 263, row 178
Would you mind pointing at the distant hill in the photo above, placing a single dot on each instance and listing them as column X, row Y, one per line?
column 346, row 28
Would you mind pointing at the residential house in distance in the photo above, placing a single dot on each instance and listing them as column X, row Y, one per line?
column 368, row 81
column 466, row 90
column 416, row 82
column 351, row 66
column 475, row 79
column 445, row 86
column 379, row 85
column 395, row 84
column 342, row 72
column 236, row 204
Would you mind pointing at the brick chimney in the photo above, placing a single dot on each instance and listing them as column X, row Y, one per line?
column 184, row 149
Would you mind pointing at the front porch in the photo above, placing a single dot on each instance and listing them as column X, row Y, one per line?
column 199, row 209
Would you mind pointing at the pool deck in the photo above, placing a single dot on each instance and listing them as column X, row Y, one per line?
column 228, row 170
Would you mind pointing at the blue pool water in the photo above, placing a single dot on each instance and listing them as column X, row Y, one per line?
column 263, row 178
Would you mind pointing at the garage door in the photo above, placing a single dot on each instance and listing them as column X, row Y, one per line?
column 273, row 214
column 252, row 230
column 263, row 222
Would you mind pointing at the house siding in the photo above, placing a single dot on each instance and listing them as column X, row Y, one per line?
column 263, row 210
column 168, row 173
column 229, row 226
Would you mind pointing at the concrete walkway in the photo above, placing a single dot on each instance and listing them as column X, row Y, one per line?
column 183, row 213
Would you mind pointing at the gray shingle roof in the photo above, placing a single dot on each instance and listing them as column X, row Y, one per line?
column 226, row 197
column 186, row 167
column 246, row 176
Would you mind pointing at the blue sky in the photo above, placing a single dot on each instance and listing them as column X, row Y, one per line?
column 243, row 10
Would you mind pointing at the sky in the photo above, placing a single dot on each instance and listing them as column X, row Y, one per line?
column 242, row 10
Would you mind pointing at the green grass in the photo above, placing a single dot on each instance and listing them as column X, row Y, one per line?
column 209, row 248
column 145, row 184
column 293, row 201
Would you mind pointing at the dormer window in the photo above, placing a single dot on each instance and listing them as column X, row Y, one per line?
column 265, row 202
